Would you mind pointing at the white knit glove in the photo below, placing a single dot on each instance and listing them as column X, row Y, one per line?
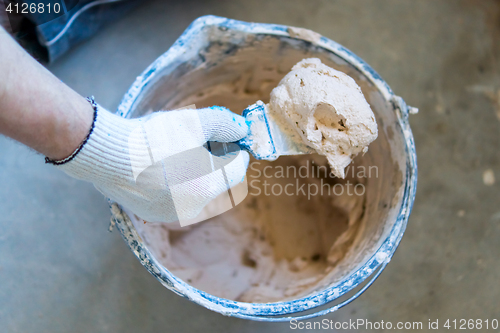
column 158, row 166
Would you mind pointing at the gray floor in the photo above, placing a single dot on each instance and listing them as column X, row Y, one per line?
column 62, row 271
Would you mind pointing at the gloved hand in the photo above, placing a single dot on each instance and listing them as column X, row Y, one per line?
column 158, row 166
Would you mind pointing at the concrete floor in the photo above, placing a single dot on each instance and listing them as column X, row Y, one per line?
column 62, row 271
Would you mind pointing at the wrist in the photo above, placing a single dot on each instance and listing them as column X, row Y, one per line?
column 104, row 155
column 67, row 130
column 69, row 140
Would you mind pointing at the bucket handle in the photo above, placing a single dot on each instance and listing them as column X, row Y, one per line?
column 398, row 103
column 318, row 313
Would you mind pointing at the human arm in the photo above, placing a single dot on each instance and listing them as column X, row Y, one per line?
column 36, row 108
column 157, row 166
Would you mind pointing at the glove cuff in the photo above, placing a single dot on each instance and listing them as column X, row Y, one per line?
column 104, row 154
column 77, row 150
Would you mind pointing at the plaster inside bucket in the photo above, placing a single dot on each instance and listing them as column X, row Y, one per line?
column 273, row 247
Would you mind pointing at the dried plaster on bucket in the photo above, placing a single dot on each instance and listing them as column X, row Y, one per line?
column 293, row 250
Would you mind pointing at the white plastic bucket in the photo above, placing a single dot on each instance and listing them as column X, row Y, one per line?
column 205, row 56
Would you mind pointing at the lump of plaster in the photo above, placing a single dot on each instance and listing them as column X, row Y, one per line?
column 328, row 110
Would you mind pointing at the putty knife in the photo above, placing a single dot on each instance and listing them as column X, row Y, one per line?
column 266, row 139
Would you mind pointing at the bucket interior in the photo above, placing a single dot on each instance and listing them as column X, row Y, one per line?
column 273, row 248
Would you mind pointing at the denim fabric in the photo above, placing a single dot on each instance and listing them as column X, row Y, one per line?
column 88, row 17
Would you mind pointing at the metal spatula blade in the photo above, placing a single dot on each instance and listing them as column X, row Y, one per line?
column 267, row 140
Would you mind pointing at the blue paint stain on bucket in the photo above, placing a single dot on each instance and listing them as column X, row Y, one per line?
column 188, row 52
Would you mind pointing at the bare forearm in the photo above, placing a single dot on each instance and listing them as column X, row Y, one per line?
column 36, row 108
